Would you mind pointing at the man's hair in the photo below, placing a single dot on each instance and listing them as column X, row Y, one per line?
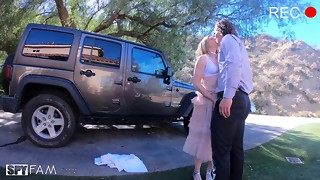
column 225, row 27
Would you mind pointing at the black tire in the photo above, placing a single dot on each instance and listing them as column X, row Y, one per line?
column 62, row 110
column 6, row 81
column 186, row 122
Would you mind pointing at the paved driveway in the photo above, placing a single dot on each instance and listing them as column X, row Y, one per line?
column 159, row 147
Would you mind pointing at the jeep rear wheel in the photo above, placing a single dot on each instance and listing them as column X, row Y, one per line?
column 48, row 121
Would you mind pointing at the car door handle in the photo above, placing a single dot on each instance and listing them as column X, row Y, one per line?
column 134, row 79
column 87, row 73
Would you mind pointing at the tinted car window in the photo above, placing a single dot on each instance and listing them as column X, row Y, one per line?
column 48, row 45
column 146, row 61
column 101, row 52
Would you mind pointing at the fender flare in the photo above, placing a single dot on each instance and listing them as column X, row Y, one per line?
column 54, row 81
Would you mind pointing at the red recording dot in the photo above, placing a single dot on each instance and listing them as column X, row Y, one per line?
column 311, row 12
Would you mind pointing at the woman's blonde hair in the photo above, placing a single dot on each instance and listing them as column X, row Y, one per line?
column 202, row 47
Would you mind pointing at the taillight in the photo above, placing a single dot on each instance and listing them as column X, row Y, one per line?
column 8, row 72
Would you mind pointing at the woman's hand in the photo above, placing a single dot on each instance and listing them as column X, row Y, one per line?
column 212, row 98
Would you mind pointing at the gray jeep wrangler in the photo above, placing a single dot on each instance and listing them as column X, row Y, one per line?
column 60, row 78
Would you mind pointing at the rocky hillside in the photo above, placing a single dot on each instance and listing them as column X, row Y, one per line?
column 286, row 76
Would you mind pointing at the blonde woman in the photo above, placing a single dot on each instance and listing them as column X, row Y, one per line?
column 198, row 142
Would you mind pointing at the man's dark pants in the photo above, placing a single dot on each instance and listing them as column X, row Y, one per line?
column 227, row 138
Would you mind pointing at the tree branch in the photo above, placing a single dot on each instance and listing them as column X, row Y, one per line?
column 46, row 20
column 124, row 33
column 185, row 24
column 40, row 14
column 120, row 27
column 109, row 22
column 160, row 22
column 137, row 19
column 149, row 30
column 90, row 19
column 145, row 22
column 64, row 15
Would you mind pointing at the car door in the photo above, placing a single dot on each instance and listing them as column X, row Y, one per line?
column 98, row 73
column 145, row 92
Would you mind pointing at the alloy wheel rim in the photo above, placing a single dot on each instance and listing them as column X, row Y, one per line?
column 47, row 122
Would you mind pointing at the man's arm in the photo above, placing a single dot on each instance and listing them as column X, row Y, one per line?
column 233, row 66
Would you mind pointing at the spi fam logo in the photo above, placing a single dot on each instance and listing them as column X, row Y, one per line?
column 25, row 170
column 291, row 12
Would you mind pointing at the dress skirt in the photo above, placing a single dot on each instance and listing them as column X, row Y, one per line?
column 198, row 142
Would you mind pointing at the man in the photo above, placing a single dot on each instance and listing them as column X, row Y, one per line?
column 233, row 104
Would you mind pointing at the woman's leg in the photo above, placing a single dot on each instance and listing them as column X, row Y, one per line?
column 196, row 173
column 197, row 165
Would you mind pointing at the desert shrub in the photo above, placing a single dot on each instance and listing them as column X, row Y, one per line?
column 185, row 74
column 282, row 112
column 304, row 114
column 260, row 103
column 290, row 85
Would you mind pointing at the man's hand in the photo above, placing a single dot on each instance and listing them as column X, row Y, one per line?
column 225, row 106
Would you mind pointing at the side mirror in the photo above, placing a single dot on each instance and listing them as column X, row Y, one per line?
column 160, row 73
column 168, row 75
column 169, row 72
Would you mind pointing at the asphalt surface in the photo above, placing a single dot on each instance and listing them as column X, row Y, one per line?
column 159, row 147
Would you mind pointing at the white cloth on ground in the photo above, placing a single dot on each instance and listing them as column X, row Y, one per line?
column 128, row 163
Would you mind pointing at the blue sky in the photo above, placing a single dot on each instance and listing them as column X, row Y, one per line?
column 307, row 30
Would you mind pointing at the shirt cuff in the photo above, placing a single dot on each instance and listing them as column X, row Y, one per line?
column 229, row 92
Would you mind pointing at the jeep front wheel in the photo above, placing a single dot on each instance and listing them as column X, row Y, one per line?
column 48, row 121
